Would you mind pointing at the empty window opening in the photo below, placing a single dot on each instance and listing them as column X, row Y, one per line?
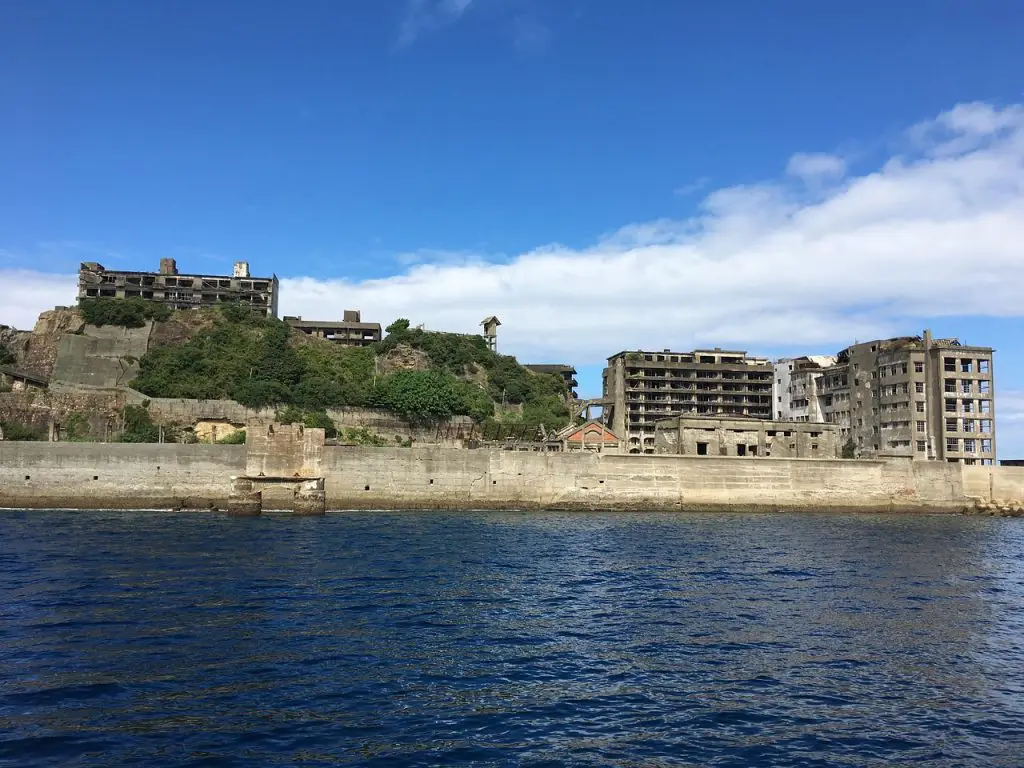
column 702, row 450
column 741, row 450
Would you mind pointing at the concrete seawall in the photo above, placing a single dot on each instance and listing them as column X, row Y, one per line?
column 93, row 475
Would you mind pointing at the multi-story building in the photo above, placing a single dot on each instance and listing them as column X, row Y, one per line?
column 641, row 388
column 180, row 291
column 913, row 396
column 795, row 391
column 350, row 331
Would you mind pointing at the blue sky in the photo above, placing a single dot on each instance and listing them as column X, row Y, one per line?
column 786, row 177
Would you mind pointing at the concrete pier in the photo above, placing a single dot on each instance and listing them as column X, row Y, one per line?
column 244, row 500
column 310, row 498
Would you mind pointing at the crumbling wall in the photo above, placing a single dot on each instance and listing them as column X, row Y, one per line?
column 284, row 451
column 101, row 357
column 100, row 412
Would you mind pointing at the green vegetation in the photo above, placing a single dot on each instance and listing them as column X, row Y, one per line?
column 235, row 438
column 6, row 356
column 15, row 431
column 363, row 436
column 127, row 313
column 849, row 449
column 312, row 419
column 260, row 362
column 139, row 426
column 75, row 428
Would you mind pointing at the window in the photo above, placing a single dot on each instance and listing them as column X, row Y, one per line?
column 949, row 364
column 952, row 444
column 983, row 366
column 919, row 387
column 951, row 425
column 969, row 445
column 966, row 366
column 903, row 368
column 920, row 426
column 968, row 406
column 966, row 386
column 968, row 425
column 985, row 406
column 986, row 427
column 950, row 385
column 986, row 462
column 986, row 445
column 920, row 446
column 984, row 386
column 951, row 406
column 920, row 406
column 918, row 366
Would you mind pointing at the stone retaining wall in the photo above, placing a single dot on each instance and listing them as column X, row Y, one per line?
column 125, row 476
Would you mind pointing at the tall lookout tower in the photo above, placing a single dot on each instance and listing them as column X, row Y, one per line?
column 490, row 325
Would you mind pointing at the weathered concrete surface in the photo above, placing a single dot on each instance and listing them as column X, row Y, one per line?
column 83, row 475
column 117, row 475
column 993, row 483
column 101, row 357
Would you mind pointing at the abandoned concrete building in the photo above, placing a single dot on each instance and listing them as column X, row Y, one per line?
column 566, row 372
column 795, row 390
column 914, row 396
column 641, row 388
column 180, row 291
column 350, row 331
column 723, row 436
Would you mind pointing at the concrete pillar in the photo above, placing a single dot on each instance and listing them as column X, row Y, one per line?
column 244, row 501
column 310, row 499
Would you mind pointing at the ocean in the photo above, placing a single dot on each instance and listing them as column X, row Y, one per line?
column 533, row 639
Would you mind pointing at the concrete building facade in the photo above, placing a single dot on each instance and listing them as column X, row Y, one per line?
column 641, row 388
column 180, row 291
column 350, row 331
column 914, row 396
column 690, row 436
column 796, row 385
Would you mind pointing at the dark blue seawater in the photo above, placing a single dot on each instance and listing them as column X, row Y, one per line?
column 393, row 639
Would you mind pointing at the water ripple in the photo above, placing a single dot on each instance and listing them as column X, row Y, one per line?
column 409, row 639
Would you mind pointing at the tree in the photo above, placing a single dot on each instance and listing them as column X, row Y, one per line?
column 421, row 396
column 6, row 356
column 849, row 449
column 139, row 426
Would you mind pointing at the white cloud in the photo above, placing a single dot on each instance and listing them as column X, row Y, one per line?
column 759, row 266
column 815, row 165
column 24, row 294
column 1010, row 423
column 425, row 15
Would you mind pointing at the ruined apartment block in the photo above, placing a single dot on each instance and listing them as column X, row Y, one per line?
column 350, row 331
column 723, row 436
column 796, row 388
column 642, row 388
column 914, row 396
column 180, row 291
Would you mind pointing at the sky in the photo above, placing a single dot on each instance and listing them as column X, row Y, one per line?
column 784, row 177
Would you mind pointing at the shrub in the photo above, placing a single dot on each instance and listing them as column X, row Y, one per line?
column 139, row 426
column 311, row 419
column 6, row 355
column 849, row 449
column 127, row 313
column 421, row 396
column 21, row 432
column 363, row 436
column 235, row 438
